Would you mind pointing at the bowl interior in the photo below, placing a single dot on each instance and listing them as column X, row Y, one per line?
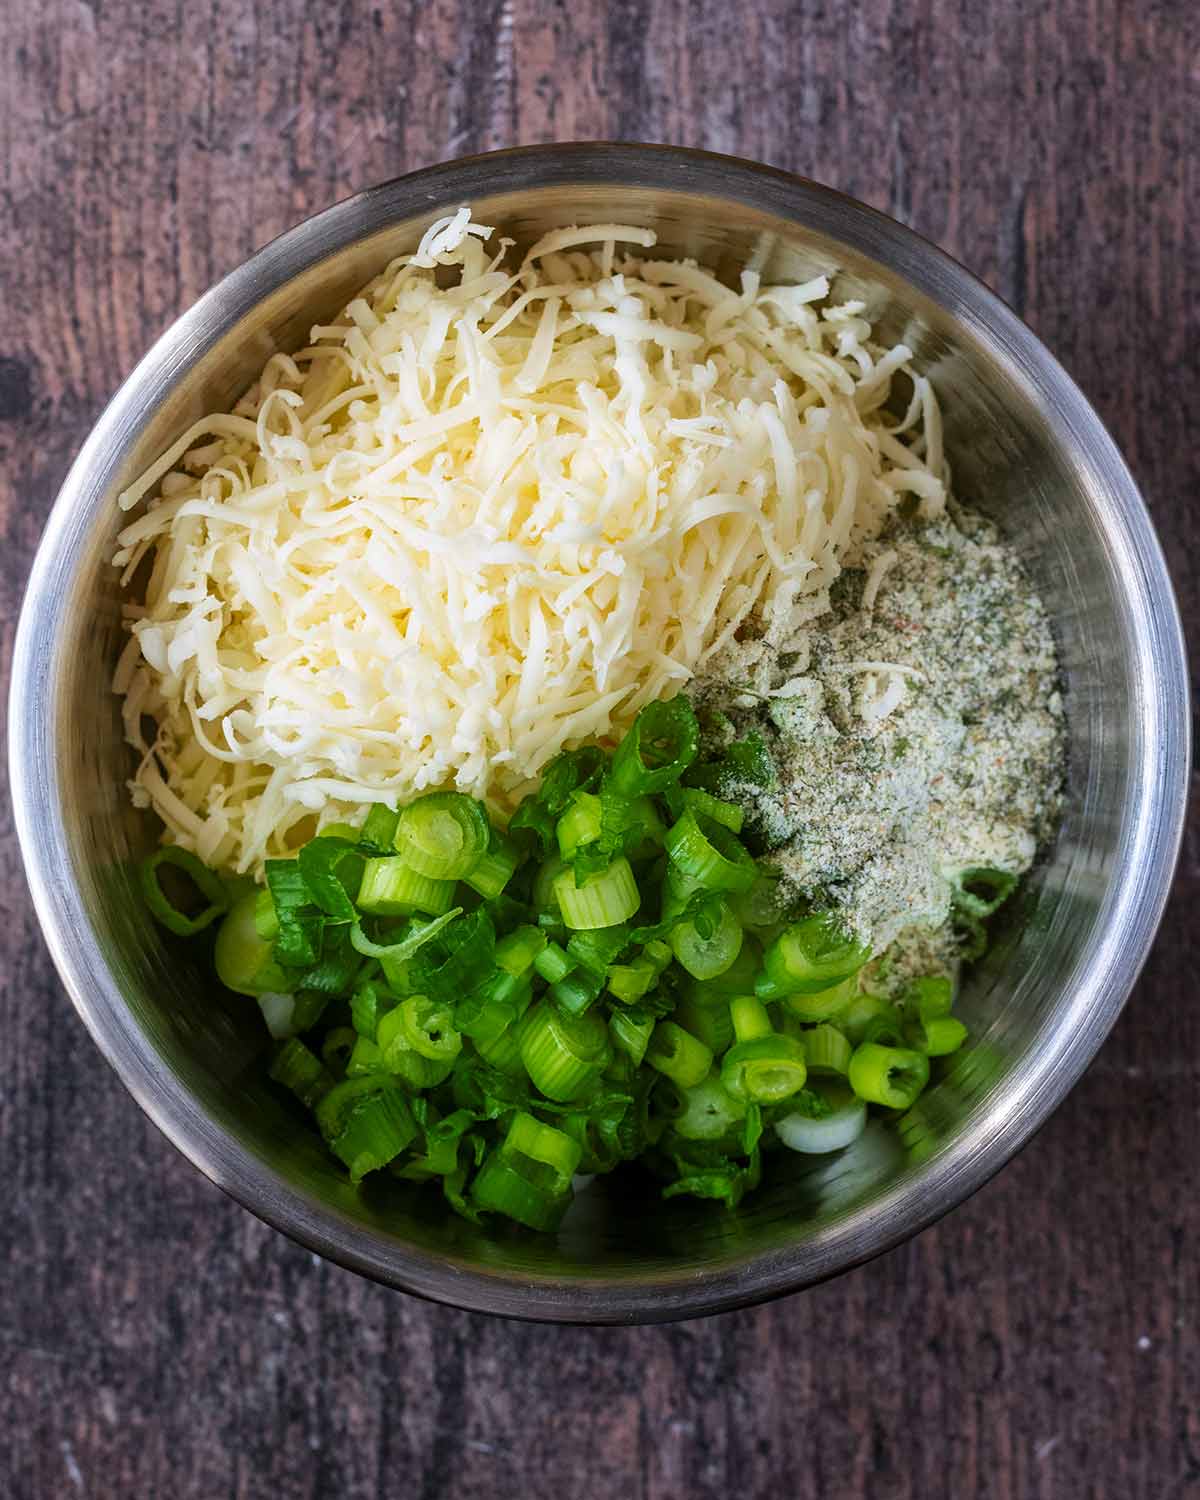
column 1036, row 1007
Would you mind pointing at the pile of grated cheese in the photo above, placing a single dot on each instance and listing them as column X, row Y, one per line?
column 489, row 512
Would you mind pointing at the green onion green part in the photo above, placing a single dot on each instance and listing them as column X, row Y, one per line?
column 764, row 1069
column 367, row 1123
column 891, row 1076
column 392, row 888
column 210, row 887
column 601, row 900
column 244, row 959
column 813, row 955
column 709, row 944
column 562, row 1054
column 678, row 1055
column 708, row 853
column 512, row 1024
column 443, row 835
column 827, row 1050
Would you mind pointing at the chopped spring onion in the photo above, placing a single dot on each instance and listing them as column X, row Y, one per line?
column 243, row 957
column 514, row 1029
column 631, row 1033
column 299, row 1069
column 528, row 1176
column 503, row 1186
column 707, row 948
column 493, row 1007
column 764, row 1069
column 983, row 889
column 518, row 951
column 939, row 1036
column 428, row 1028
column 886, row 1028
column 163, row 909
column 401, row 1058
column 337, row 1047
column 379, row 827
column 392, row 888
column 332, row 870
column 502, row 1051
column 709, row 1112
column 367, row 1123
column 813, row 955
column 891, row 1076
column 658, row 748
column 580, row 824
column 749, row 1018
column 854, row 1019
column 823, row 1005
column 602, row 900
column 738, row 978
column 827, row 1050
column 930, row 997
column 644, row 829
column 301, row 923
column 344, row 831
column 495, row 868
column 562, row 1054
column 451, row 964
column 759, row 909
column 543, row 895
column 708, row 853
column 443, row 835
column 367, row 1057
column 553, row 962
column 542, row 1143
column 278, row 1011
column 630, row 982
column 368, row 1003
column 706, row 1015
column 415, row 936
column 678, row 1055
column 845, row 1122
column 577, row 991
column 729, row 814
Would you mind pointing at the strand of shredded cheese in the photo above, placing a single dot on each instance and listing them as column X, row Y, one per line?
column 487, row 514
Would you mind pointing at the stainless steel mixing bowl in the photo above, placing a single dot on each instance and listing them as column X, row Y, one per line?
column 1025, row 446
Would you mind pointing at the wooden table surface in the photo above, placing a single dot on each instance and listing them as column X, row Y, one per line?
column 156, row 1340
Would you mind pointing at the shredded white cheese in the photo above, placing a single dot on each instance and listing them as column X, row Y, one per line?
column 487, row 514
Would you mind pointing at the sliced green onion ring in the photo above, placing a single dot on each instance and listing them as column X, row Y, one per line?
column 708, row 853
column 443, row 835
column 601, row 900
column 709, row 1111
column 832, row 1132
column 827, row 1050
column 659, row 746
column 206, row 881
column 706, row 957
column 766, row 1069
column 243, row 957
column 677, row 1054
column 390, row 887
column 562, row 1054
column 813, row 955
column 891, row 1076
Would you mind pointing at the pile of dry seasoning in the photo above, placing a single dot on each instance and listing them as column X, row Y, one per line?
column 917, row 732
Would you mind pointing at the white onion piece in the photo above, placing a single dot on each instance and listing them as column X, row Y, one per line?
column 831, row 1133
column 277, row 1012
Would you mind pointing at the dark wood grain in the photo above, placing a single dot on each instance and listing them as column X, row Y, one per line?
column 155, row 1339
